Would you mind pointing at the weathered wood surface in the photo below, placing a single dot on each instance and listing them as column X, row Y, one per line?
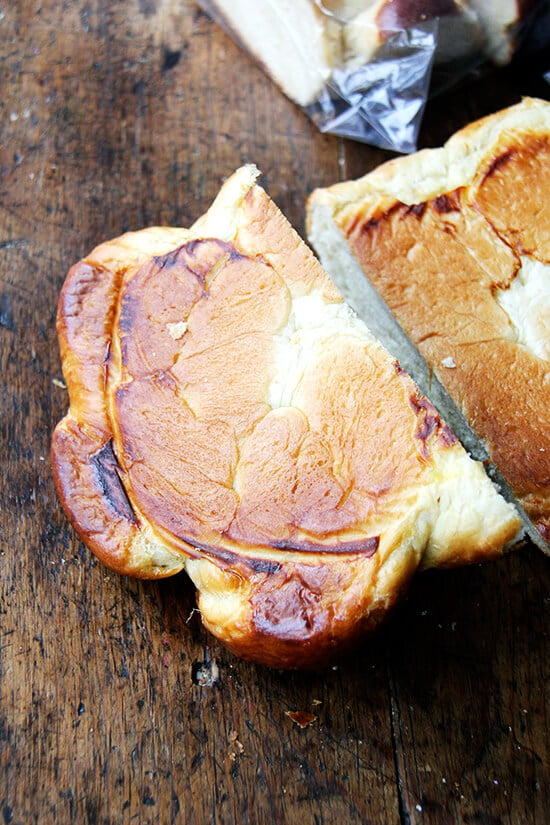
column 115, row 116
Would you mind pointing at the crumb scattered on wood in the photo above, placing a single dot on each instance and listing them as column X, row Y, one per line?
column 236, row 748
column 177, row 330
column 301, row 717
column 206, row 674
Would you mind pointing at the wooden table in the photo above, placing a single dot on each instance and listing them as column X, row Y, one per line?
column 119, row 115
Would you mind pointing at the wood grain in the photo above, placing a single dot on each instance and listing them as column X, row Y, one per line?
column 115, row 706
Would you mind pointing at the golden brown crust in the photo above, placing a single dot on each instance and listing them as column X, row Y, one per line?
column 230, row 416
column 307, row 615
column 442, row 263
column 512, row 193
column 438, row 252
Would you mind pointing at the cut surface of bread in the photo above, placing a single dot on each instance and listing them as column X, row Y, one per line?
column 296, row 43
column 231, row 416
column 456, row 241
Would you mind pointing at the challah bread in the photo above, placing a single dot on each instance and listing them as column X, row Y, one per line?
column 456, row 240
column 231, row 416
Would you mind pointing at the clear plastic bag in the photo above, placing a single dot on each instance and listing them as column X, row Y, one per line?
column 382, row 101
column 364, row 69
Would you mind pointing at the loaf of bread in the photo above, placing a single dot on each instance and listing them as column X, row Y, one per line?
column 456, row 240
column 231, row 416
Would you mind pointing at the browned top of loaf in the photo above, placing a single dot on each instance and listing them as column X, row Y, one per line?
column 203, row 456
column 439, row 265
column 230, row 416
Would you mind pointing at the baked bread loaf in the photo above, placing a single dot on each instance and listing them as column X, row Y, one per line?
column 231, row 416
column 456, row 240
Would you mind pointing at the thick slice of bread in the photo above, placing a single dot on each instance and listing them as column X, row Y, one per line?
column 231, row 416
column 456, row 240
column 294, row 41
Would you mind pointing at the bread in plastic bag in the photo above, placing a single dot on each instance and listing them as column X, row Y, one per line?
column 364, row 69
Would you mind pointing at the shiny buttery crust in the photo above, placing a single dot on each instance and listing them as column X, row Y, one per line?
column 457, row 242
column 230, row 416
